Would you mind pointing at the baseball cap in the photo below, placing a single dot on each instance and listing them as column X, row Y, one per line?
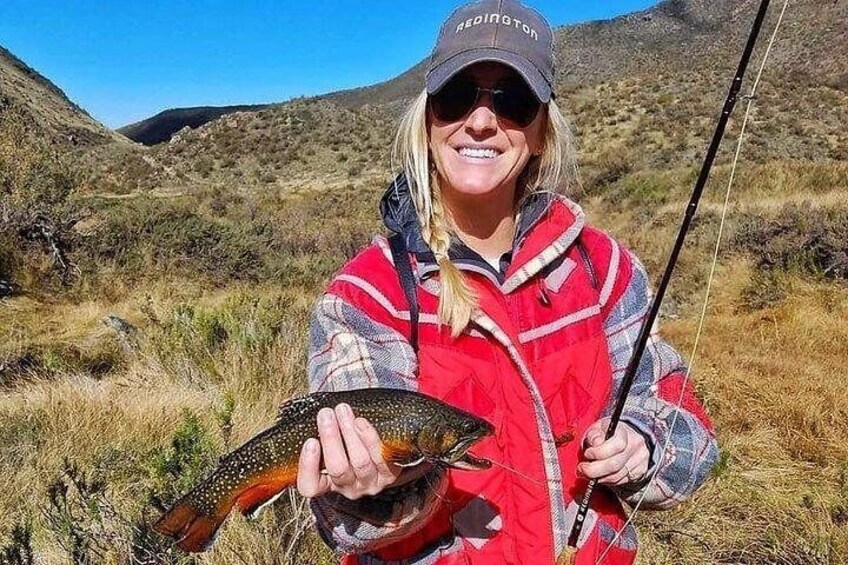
column 504, row 31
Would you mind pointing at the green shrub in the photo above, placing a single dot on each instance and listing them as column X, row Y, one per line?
column 641, row 190
column 609, row 169
column 180, row 466
column 150, row 236
column 91, row 529
column 75, row 515
column 36, row 206
column 764, row 289
column 224, row 417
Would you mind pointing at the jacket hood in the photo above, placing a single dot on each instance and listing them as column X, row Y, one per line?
column 399, row 216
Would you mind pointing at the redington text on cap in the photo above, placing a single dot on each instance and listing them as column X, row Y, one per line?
column 504, row 31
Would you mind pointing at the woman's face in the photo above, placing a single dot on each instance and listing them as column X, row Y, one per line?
column 480, row 154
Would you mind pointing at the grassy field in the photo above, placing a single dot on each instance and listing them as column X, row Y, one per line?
column 164, row 292
column 102, row 426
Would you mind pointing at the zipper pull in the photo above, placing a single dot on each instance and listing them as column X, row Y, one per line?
column 542, row 293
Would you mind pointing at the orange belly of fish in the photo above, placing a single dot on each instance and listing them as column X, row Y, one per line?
column 195, row 532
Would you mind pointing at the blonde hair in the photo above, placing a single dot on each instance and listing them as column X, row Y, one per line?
column 555, row 170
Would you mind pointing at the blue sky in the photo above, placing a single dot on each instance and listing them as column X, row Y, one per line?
column 125, row 61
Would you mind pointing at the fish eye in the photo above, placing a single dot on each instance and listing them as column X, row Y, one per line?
column 471, row 427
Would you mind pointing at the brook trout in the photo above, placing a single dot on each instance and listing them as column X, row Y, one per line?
column 413, row 427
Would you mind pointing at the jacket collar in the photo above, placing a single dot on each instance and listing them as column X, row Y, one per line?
column 548, row 225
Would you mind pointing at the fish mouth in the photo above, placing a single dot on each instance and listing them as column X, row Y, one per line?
column 460, row 458
column 469, row 463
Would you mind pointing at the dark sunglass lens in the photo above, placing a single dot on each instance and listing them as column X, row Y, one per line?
column 454, row 100
column 514, row 101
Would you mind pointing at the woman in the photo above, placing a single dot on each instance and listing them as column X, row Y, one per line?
column 528, row 319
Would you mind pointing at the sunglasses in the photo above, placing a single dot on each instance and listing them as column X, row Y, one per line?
column 512, row 100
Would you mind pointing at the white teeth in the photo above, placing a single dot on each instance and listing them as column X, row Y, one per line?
column 478, row 153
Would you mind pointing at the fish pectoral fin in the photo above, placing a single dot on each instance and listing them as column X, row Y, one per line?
column 401, row 455
column 410, row 463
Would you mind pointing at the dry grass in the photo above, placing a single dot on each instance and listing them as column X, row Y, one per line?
column 231, row 348
column 771, row 379
column 215, row 246
column 779, row 495
column 224, row 356
column 769, row 368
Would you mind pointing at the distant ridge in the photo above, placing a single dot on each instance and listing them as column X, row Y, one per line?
column 404, row 86
column 670, row 38
column 674, row 36
column 163, row 125
column 642, row 91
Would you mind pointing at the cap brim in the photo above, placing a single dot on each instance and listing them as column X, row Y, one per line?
column 438, row 76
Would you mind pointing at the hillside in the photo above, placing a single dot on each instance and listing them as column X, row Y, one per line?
column 674, row 36
column 48, row 108
column 653, row 80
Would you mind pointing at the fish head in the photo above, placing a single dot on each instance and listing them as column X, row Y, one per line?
column 446, row 438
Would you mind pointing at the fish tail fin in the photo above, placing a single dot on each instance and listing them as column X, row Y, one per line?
column 259, row 495
column 193, row 531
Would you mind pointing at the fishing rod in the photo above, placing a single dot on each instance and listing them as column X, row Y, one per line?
column 647, row 324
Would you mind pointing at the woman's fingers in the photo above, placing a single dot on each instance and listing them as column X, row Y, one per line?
column 358, row 454
column 336, row 462
column 610, row 448
column 604, row 468
column 371, row 441
column 632, row 470
column 352, row 457
column 619, row 460
column 310, row 481
column 352, row 453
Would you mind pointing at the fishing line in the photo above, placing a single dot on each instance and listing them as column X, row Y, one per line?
column 519, row 473
column 751, row 97
column 433, row 486
column 647, row 325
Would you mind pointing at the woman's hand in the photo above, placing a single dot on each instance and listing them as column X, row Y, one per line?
column 353, row 458
column 622, row 459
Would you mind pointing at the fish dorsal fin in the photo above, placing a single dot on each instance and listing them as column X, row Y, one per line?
column 296, row 406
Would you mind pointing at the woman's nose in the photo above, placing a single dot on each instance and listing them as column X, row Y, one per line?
column 482, row 117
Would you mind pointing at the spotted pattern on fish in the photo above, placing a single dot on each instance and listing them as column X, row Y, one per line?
column 412, row 426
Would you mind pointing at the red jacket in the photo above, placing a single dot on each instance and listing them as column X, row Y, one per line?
column 541, row 361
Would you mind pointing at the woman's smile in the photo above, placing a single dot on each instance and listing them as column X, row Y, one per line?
column 479, row 155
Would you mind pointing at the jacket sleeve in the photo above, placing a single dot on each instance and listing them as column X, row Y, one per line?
column 348, row 350
column 658, row 387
